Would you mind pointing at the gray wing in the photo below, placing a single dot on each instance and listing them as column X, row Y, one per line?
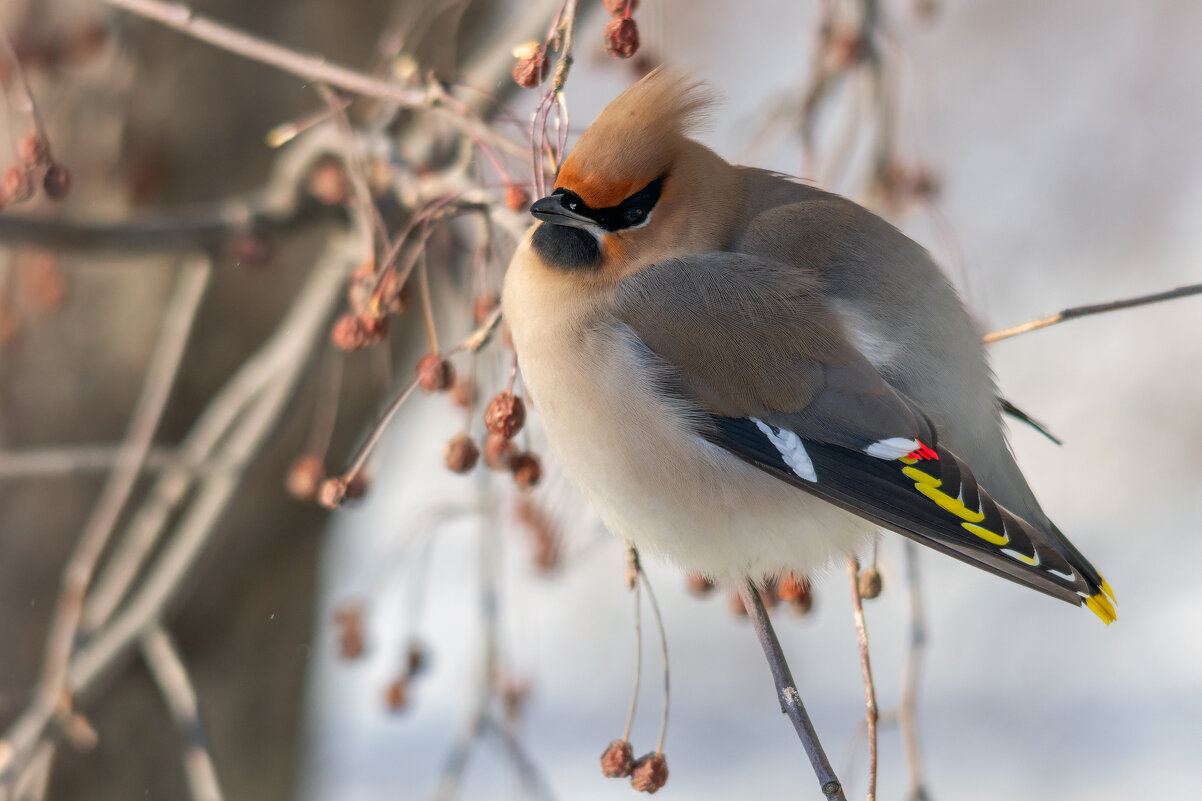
column 776, row 383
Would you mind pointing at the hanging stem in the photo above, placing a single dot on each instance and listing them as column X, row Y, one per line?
column 638, row 658
column 663, row 644
column 870, row 709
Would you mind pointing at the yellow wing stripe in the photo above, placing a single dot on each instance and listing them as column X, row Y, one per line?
column 986, row 534
column 928, row 486
column 921, row 477
column 1100, row 605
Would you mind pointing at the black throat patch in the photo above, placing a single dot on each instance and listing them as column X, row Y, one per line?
column 566, row 247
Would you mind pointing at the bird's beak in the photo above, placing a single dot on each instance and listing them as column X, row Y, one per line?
column 552, row 210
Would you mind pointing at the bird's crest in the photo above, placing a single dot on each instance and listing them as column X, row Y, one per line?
column 635, row 139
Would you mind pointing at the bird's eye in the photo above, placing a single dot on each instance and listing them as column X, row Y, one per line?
column 634, row 216
column 571, row 204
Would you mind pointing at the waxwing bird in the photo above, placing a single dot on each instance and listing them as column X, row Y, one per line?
column 750, row 375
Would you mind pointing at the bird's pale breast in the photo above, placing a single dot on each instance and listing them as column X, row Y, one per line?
column 634, row 454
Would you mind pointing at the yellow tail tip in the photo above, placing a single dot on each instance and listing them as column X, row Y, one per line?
column 1106, row 589
column 1100, row 605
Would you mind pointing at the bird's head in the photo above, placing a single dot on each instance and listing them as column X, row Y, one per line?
column 635, row 189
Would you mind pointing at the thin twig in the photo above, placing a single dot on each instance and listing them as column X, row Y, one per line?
column 354, row 164
column 870, row 708
column 457, row 760
column 163, row 660
column 315, row 68
column 31, row 785
column 663, row 644
column 21, row 88
column 306, row 327
column 275, row 208
column 790, row 699
column 325, row 412
column 531, row 776
column 474, row 342
column 52, row 693
column 423, row 285
column 71, row 460
column 907, row 711
column 1097, row 308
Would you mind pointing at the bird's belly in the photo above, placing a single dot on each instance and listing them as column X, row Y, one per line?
column 658, row 484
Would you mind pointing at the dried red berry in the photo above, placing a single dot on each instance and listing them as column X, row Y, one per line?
column 327, row 183
column 650, row 773
column 699, row 585
column 397, row 695
column 505, row 415
column 331, row 493
column 17, row 185
column 526, row 470
column 351, row 641
column 516, row 198
column 351, row 644
column 870, row 583
column 532, row 66
column 347, row 333
column 34, row 150
column 498, row 451
column 795, row 590
column 434, row 373
column 304, row 477
column 617, row 761
column 56, row 183
column 544, row 535
column 789, row 587
column 462, row 454
column 621, row 37
column 355, row 331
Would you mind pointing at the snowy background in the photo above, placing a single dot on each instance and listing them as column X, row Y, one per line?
column 1065, row 134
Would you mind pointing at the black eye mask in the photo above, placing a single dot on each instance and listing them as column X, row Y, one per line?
column 630, row 213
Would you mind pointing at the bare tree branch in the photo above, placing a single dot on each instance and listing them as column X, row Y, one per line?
column 164, row 663
column 52, row 694
column 786, row 688
column 76, row 460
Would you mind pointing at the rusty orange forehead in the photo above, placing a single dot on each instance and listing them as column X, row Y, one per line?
column 598, row 191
